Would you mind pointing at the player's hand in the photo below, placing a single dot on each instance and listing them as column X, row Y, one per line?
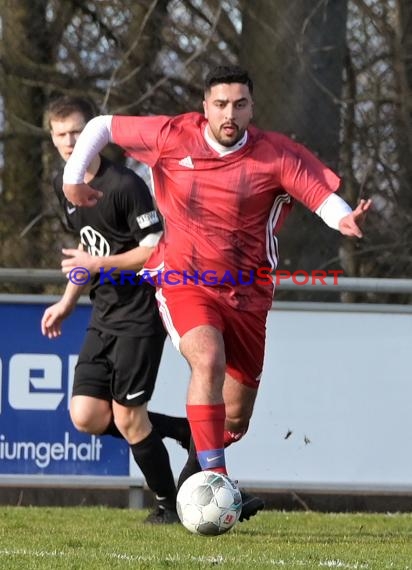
column 350, row 225
column 77, row 258
column 53, row 317
column 81, row 194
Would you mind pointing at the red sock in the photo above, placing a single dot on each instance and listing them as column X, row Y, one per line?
column 233, row 436
column 207, row 424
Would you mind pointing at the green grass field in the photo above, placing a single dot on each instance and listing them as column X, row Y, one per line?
column 102, row 538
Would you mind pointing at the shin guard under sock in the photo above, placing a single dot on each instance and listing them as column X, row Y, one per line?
column 207, row 427
column 153, row 460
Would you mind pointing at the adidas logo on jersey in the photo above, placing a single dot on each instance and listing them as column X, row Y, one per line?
column 187, row 162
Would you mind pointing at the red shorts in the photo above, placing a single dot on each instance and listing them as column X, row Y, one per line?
column 184, row 307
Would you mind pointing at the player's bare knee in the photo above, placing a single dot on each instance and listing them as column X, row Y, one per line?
column 90, row 415
column 211, row 368
column 204, row 350
column 84, row 423
column 208, row 365
column 123, row 421
column 133, row 423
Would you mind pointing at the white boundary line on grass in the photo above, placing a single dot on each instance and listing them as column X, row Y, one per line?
column 203, row 559
column 290, row 563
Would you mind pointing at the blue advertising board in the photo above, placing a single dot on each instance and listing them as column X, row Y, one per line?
column 36, row 377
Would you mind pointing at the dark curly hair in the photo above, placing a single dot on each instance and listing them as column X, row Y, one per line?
column 227, row 74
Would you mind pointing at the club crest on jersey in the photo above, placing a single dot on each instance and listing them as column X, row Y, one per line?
column 187, row 162
column 147, row 220
column 94, row 241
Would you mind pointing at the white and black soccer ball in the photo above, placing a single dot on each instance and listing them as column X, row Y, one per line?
column 209, row 503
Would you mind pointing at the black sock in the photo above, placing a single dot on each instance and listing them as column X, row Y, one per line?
column 153, row 460
column 191, row 466
column 169, row 426
column 112, row 430
column 166, row 426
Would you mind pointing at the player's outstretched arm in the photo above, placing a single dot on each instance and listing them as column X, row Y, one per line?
column 133, row 260
column 94, row 137
column 350, row 225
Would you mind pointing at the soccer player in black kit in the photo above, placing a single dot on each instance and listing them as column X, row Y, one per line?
column 118, row 363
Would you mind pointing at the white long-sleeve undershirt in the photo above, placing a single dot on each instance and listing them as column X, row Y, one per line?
column 94, row 137
column 332, row 210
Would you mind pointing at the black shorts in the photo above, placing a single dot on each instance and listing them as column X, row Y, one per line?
column 119, row 368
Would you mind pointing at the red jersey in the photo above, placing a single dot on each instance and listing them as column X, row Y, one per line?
column 222, row 213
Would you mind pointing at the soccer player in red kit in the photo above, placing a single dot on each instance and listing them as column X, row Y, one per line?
column 224, row 188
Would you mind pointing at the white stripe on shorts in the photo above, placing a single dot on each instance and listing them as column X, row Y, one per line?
column 167, row 318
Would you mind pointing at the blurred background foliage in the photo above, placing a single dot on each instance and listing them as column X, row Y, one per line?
column 336, row 75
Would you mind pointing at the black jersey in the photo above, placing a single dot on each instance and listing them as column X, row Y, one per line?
column 117, row 223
